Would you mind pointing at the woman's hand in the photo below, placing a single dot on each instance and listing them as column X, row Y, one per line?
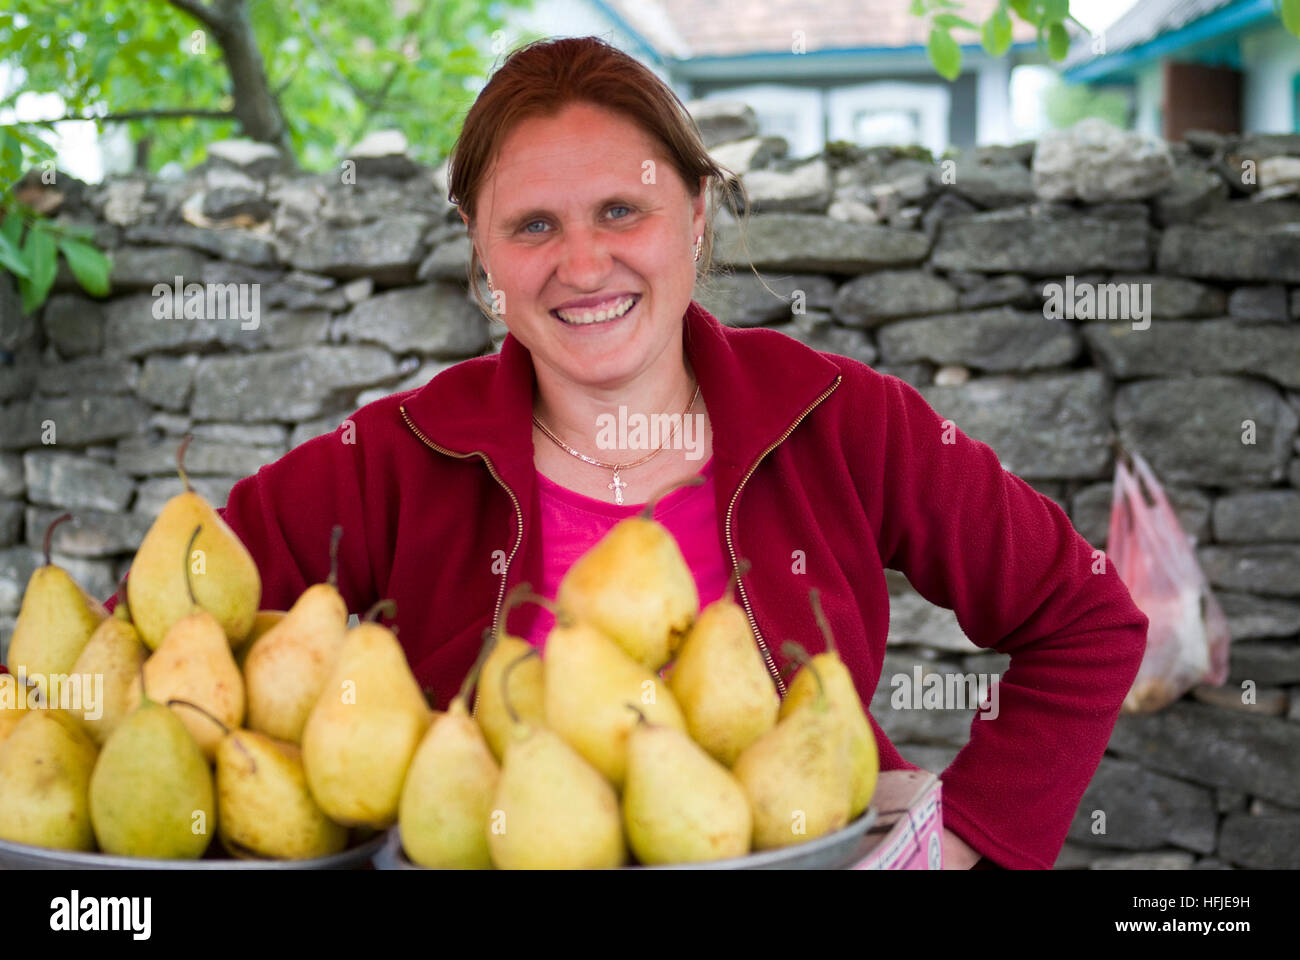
column 957, row 853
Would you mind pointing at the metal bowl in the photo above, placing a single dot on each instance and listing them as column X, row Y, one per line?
column 833, row 851
column 21, row 856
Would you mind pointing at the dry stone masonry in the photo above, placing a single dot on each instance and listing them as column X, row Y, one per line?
column 937, row 271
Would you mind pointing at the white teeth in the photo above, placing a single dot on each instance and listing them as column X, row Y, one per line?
column 600, row 316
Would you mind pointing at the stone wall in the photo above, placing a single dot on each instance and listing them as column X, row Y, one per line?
column 934, row 271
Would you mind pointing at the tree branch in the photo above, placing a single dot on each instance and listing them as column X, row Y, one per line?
column 201, row 12
column 159, row 114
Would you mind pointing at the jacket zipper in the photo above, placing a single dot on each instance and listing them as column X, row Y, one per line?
column 519, row 514
column 740, row 586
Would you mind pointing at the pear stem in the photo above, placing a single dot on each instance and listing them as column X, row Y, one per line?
column 823, row 624
column 639, row 712
column 49, row 533
column 792, row 649
column 648, row 511
column 382, row 605
column 335, row 537
column 743, row 567
column 180, row 461
column 189, row 553
column 526, row 595
column 505, row 687
column 518, row 594
column 471, row 678
column 194, row 706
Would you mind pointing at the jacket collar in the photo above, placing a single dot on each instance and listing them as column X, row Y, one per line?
column 755, row 382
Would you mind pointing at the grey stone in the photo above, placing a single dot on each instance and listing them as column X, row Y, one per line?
column 248, row 156
column 1264, row 701
column 68, row 480
column 742, row 299
column 1192, row 192
column 74, row 324
column 934, row 759
column 426, row 372
column 388, row 251
column 1091, row 508
column 11, row 523
column 1247, row 215
column 317, row 426
column 1144, row 809
column 18, row 563
column 167, row 381
column 1041, row 240
column 804, row 241
column 448, row 261
column 258, row 434
column 1041, row 425
column 138, row 267
column 154, row 493
column 18, row 378
column 1265, row 303
column 994, row 184
column 911, row 725
column 722, row 121
column 1251, row 617
column 433, row 319
column 1152, row 860
column 88, row 375
column 1272, row 569
column 750, row 153
column 228, row 202
column 146, row 456
column 1257, row 515
column 1211, row 863
column 1261, row 843
column 1190, row 429
column 75, row 421
column 1251, row 753
column 819, row 331
column 1216, row 254
column 296, row 328
column 1074, row 857
column 995, row 291
column 1177, row 297
column 13, row 480
column 1174, row 347
column 124, row 201
column 228, row 243
column 17, row 328
column 1095, row 161
column 890, row 294
column 172, row 424
column 90, row 533
column 1227, row 800
column 915, row 620
column 285, row 385
column 805, row 187
column 998, row 339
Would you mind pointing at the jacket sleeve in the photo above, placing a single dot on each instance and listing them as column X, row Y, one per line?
column 286, row 512
column 976, row 539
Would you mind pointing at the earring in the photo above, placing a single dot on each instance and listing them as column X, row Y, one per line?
column 699, row 242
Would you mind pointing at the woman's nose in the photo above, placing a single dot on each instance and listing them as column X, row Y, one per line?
column 583, row 258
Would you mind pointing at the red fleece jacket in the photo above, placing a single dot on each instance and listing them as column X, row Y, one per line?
column 827, row 472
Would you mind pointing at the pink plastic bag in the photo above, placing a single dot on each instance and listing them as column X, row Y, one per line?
column 1187, row 642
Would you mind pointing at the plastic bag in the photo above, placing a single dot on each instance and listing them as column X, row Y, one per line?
column 1187, row 642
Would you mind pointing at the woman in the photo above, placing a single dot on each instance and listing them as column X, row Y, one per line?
column 582, row 181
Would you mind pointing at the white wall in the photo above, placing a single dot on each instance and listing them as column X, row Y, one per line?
column 1272, row 60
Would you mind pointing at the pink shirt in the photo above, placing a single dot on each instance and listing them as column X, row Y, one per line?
column 572, row 522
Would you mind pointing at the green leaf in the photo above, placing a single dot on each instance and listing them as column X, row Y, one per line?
column 1058, row 41
column 43, row 261
column 945, row 54
column 11, row 257
column 950, row 20
column 12, row 227
column 1291, row 16
column 997, row 33
column 1054, row 11
column 918, row 8
column 1023, row 9
column 88, row 265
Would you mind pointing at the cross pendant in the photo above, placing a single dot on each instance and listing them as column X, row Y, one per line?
column 617, row 486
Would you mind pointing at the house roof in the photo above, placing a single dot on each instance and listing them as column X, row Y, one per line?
column 725, row 28
column 1145, row 20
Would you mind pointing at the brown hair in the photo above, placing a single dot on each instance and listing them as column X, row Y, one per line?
column 543, row 77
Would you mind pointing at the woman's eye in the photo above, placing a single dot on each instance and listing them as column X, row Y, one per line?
column 617, row 206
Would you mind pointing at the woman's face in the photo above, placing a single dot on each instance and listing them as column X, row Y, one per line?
column 583, row 206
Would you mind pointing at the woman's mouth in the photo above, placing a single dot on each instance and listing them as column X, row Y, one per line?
column 588, row 317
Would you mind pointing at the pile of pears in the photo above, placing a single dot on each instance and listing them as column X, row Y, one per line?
column 649, row 731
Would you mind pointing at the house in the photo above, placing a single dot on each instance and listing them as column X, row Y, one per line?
column 853, row 70
column 1223, row 65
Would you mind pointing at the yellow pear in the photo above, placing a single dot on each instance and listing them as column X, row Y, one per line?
column 797, row 775
column 634, row 586
column 288, row 665
column 225, row 579
column 722, row 683
column 525, row 682
column 449, row 789
column 54, row 623
column 45, row 768
column 264, row 807
column 552, row 810
column 264, row 621
column 113, row 656
column 151, row 794
column 679, row 804
column 364, row 728
column 13, row 702
column 587, row 682
column 843, row 695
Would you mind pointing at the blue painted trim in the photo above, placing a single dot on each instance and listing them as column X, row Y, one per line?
column 1295, row 103
column 638, row 40
column 909, row 51
column 1230, row 19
